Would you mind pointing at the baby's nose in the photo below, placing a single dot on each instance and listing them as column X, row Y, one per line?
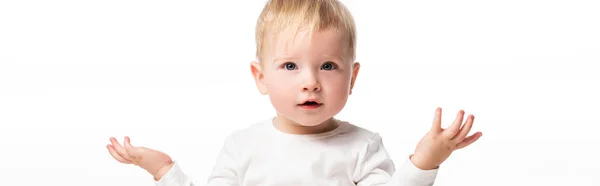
column 312, row 84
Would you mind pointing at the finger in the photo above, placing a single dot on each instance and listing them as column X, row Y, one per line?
column 115, row 155
column 127, row 145
column 437, row 120
column 465, row 129
column 119, row 149
column 453, row 129
column 469, row 140
column 131, row 151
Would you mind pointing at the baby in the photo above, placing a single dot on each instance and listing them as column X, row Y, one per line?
column 305, row 64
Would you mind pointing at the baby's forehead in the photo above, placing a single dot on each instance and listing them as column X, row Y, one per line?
column 300, row 32
column 327, row 43
column 331, row 38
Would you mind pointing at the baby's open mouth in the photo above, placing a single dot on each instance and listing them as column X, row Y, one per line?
column 311, row 104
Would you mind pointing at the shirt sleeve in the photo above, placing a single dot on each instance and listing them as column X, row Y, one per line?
column 375, row 167
column 223, row 174
column 175, row 177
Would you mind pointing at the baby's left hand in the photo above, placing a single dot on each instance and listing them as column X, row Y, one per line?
column 435, row 147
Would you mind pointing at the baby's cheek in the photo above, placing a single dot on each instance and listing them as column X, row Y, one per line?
column 338, row 93
column 281, row 97
column 280, row 103
column 340, row 87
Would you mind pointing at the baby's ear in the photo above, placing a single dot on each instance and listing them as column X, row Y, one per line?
column 256, row 70
column 355, row 69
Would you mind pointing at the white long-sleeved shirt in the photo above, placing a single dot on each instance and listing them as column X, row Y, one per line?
column 263, row 155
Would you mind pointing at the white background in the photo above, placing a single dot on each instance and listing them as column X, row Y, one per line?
column 175, row 76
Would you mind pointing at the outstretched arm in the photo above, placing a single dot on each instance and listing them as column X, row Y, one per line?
column 167, row 172
column 224, row 172
column 419, row 169
column 375, row 167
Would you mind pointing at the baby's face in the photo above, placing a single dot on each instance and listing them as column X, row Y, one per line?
column 308, row 77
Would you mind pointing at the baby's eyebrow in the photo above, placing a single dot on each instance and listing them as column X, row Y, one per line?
column 325, row 58
column 334, row 58
column 275, row 59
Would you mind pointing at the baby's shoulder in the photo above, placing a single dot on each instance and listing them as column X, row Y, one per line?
column 252, row 132
column 352, row 132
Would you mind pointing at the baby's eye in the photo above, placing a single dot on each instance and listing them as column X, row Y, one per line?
column 328, row 66
column 289, row 66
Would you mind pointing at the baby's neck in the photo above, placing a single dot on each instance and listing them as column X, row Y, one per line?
column 288, row 126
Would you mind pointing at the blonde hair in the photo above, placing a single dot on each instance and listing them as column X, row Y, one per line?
column 278, row 15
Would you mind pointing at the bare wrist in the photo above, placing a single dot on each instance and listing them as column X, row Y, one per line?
column 422, row 164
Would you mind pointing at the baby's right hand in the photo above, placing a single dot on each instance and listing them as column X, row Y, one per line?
column 155, row 162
